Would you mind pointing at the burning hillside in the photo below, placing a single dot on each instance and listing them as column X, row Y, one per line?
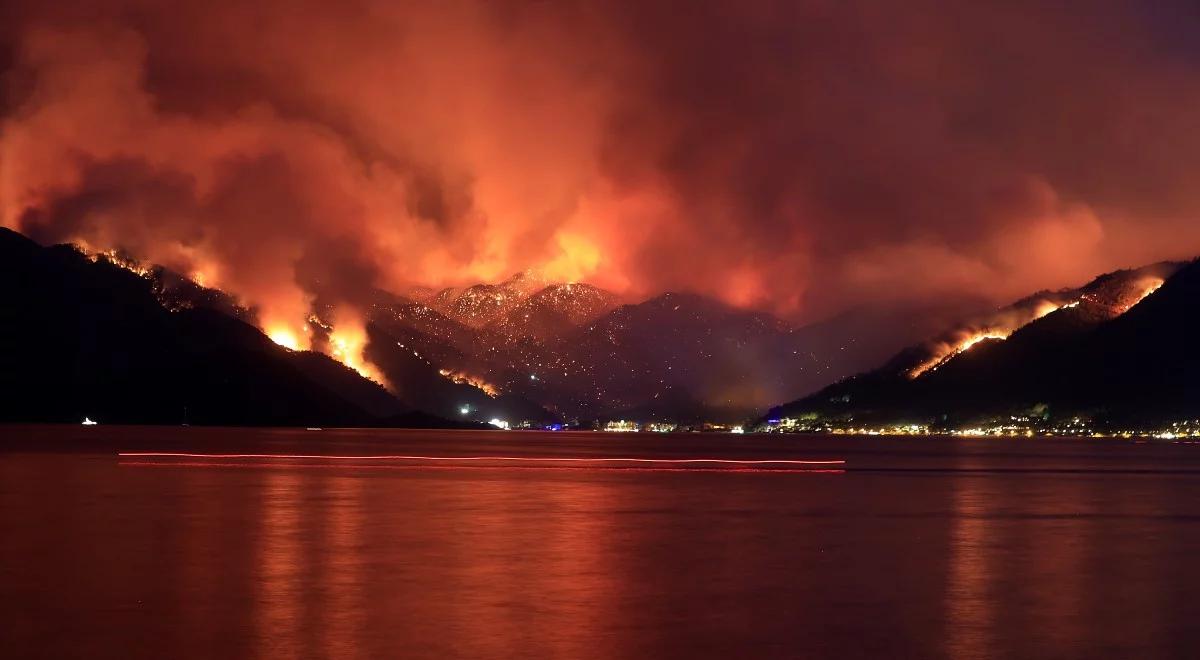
column 474, row 381
column 554, row 310
column 121, row 261
column 452, row 343
column 1105, row 297
column 1136, row 294
column 481, row 304
column 393, row 145
column 119, row 341
column 1118, row 350
column 347, row 344
column 343, row 337
column 997, row 327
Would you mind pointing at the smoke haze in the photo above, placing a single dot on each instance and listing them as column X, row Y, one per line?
column 797, row 157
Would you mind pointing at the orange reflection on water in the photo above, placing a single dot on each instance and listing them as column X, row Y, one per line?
column 969, row 601
column 505, row 566
column 280, row 586
column 343, row 570
column 311, row 571
column 530, row 563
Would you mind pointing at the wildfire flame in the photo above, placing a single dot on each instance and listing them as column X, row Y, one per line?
column 204, row 278
column 1149, row 286
column 950, row 351
column 348, row 343
column 286, row 338
column 467, row 379
column 115, row 258
column 1000, row 329
column 577, row 259
column 966, row 345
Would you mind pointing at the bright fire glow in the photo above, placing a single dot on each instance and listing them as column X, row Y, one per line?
column 204, row 271
column 966, row 345
column 999, row 329
column 942, row 357
column 285, row 337
column 347, row 343
column 1149, row 286
column 114, row 258
column 467, row 379
column 578, row 258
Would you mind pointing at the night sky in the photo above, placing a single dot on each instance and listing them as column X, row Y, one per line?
column 798, row 157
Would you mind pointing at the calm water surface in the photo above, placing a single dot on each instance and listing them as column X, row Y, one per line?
column 921, row 548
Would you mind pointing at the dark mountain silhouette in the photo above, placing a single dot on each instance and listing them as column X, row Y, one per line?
column 530, row 350
column 554, row 311
column 676, row 356
column 440, row 389
column 477, row 305
column 86, row 337
column 1119, row 350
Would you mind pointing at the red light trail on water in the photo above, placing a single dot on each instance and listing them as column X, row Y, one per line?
column 783, row 464
column 414, row 466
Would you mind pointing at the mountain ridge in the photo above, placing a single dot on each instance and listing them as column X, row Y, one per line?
column 95, row 341
column 561, row 351
column 1112, row 351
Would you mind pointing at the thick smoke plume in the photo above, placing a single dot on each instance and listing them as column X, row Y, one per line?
column 800, row 157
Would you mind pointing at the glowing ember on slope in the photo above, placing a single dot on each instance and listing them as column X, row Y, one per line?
column 203, row 271
column 467, row 379
column 1000, row 328
column 115, row 258
column 345, row 340
column 966, row 345
column 347, row 343
column 941, row 357
column 285, row 337
column 1148, row 286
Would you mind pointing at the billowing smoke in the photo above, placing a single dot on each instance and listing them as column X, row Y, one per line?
column 800, row 157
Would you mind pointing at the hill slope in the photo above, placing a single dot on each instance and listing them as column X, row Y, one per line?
column 1119, row 350
column 523, row 349
column 86, row 337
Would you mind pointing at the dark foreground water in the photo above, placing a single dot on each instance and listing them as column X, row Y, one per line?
column 921, row 548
